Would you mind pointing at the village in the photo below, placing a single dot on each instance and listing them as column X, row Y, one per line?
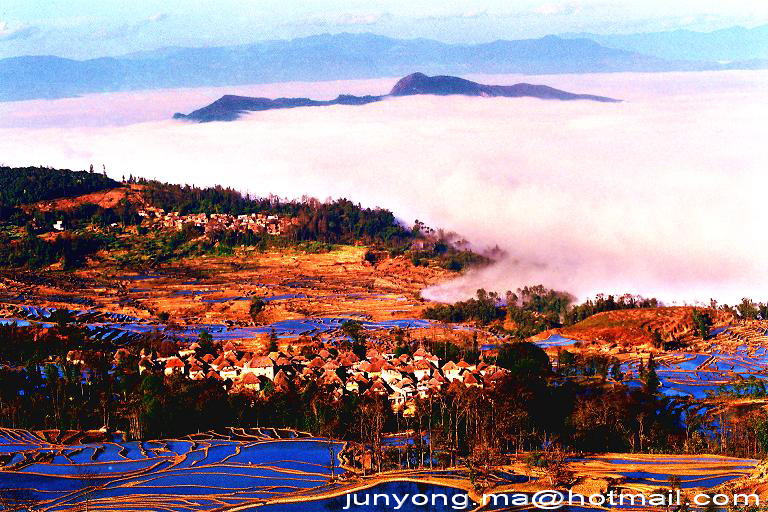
column 218, row 222
column 401, row 378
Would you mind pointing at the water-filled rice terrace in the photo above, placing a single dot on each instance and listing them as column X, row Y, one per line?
column 118, row 328
column 282, row 469
column 199, row 472
column 735, row 354
column 644, row 472
column 699, row 374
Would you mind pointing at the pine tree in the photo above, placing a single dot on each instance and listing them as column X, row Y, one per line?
column 651, row 381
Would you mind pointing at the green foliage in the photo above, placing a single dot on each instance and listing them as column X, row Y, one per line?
column 658, row 341
column 353, row 329
column 748, row 388
column 748, row 309
column 702, row 323
column 33, row 252
column 255, row 308
column 484, row 309
column 524, row 359
column 31, row 184
column 651, row 382
column 602, row 303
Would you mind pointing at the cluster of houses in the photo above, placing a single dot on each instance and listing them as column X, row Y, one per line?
column 217, row 222
column 400, row 378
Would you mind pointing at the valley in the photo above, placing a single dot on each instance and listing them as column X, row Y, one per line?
column 248, row 359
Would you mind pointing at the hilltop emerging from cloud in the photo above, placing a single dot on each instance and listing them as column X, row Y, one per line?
column 229, row 107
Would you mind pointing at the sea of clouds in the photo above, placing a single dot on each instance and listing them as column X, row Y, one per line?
column 662, row 195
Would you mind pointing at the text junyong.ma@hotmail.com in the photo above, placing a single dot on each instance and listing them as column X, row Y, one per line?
column 545, row 500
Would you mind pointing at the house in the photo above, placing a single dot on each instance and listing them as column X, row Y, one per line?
column 196, row 372
column 250, row 382
column 229, row 372
column 261, row 366
column 390, row 374
column 463, row 365
column 375, row 368
column 174, row 365
column 423, row 355
column 451, row 371
column 470, row 380
column 281, row 382
column 422, row 368
column 330, row 378
column 378, row 388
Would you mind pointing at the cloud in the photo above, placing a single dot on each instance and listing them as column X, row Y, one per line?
column 359, row 19
column 160, row 16
column 7, row 33
column 661, row 195
column 347, row 19
column 130, row 29
column 557, row 9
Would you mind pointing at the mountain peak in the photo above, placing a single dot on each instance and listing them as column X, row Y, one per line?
column 419, row 83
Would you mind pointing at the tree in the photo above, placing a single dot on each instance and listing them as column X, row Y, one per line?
column 205, row 341
column 257, row 306
column 354, row 330
column 523, row 359
column 747, row 309
column 701, row 323
column 616, row 373
column 651, row 380
column 658, row 341
column 272, row 346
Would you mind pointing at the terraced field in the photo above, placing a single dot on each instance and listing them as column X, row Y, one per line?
column 275, row 470
column 201, row 472
column 217, row 290
column 122, row 329
column 729, row 359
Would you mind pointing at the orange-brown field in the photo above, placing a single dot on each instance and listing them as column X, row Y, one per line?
column 109, row 198
column 633, row 329
column 218, row 289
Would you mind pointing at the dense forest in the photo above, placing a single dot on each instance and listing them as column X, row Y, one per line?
column 32, row 184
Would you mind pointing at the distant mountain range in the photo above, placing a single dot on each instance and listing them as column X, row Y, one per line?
column 726, row 45
column 321, row 57
column 353, row 56
column 229, row 107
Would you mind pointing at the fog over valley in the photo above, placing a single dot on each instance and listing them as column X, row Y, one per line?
column 570, row 191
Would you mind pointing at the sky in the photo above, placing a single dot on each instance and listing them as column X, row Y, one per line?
column 94, row 28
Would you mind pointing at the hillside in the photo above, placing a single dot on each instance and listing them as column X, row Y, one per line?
column 60, row 216
column 107, row 198
column 230, row 107
column 636, row 326
column 31, row 184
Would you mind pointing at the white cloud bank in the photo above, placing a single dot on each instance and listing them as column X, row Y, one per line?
column 662, row 195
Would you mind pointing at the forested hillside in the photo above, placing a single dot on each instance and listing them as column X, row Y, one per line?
column 30, row 184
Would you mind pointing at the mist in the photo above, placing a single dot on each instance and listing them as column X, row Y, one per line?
column 660, row 195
